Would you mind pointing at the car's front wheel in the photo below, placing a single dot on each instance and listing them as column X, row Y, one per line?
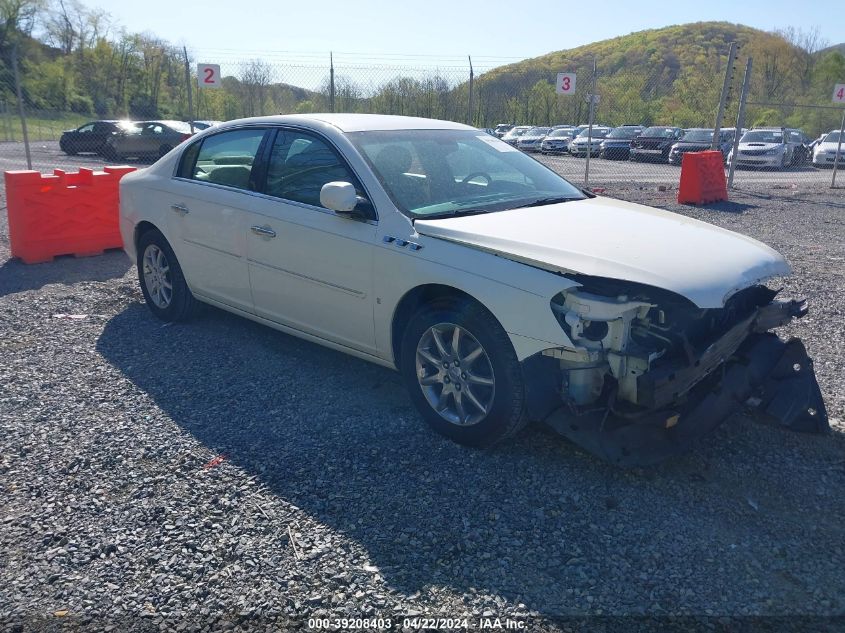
column 462, row 373
column 162, row 282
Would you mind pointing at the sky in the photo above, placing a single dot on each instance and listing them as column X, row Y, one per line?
column 437, row 32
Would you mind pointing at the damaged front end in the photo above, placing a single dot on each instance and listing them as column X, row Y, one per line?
column 649, row 372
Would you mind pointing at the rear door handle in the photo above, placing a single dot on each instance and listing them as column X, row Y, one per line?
column 181, row 209
column 263, row 231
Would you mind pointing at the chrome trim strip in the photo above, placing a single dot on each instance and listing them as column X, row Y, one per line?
column 355, row 293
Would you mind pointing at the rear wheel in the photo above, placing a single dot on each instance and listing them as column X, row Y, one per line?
column 462, row 373
column 162, row 282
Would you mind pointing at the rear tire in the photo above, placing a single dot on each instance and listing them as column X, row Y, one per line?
column 484, row 399
column 162, row 282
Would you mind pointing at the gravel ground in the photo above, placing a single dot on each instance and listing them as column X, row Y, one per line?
column 222, row 472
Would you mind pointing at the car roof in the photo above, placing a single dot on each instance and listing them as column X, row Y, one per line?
column 346, row 122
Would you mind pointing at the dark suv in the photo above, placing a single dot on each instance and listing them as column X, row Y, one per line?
column 90, row 137
column 654, row 143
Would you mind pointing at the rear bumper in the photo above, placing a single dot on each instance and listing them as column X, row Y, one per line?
column 748, row 369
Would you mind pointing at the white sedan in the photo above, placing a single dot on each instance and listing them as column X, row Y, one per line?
column 825, row 152
column 500, row 291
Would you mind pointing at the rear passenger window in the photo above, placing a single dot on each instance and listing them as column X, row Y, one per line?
column 300, row 164
column 223, row 159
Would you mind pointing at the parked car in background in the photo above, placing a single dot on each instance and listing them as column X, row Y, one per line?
column 147, row 139
column 588, row 141
column 769, row 147
column 557, row 141
column 654, row 143
column 824, row 154
column 512, row 136
column 617, row 144
column 699, row 140
column 512, row 295
column 531, row 140
column 502, row 128
column 91, row 137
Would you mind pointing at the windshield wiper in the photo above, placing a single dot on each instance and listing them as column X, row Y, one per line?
column 452, row 214
column 543, row 201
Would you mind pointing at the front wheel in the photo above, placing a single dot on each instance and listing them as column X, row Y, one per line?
column 162, row 282
column 462, row 373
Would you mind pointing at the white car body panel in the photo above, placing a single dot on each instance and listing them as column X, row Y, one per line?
column 825, row 153
column 701, row 262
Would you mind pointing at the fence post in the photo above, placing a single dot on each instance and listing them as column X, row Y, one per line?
column 838, row 152
column 331, row 81
column 740, row 119
column 190, row 90
column 726, row 86
column 590, row 126
column 471, row 81
column 20, row 105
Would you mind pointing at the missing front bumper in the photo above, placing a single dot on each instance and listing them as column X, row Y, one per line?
column 772, row 378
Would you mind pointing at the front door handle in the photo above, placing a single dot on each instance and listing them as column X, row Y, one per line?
column 181, row 209
column 263, row 231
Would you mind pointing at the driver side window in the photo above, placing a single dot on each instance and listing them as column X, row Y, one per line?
column 300, row 164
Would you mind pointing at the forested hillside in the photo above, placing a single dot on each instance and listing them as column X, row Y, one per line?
column 76, row 61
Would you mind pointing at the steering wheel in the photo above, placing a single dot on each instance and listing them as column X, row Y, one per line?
column 477, row 174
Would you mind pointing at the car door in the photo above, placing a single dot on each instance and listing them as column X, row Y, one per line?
column 209, row 201
column 83, row 140
column 310, row 269
column 149, row 140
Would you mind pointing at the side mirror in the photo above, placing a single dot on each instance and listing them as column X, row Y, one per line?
column 341, row 198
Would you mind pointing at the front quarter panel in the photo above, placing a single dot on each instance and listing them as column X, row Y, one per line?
column 516, row 294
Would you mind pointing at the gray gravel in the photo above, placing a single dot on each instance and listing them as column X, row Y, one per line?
column 333, row 499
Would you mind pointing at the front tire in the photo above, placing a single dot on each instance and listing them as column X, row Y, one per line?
column 162, row 282
column 462, row 373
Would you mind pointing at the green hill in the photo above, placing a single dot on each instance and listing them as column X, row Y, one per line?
column 671, row 75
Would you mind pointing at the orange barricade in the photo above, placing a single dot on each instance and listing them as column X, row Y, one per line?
column 63, row 214
column 702, row 178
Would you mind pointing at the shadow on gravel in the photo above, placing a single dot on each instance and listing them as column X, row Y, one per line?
column 754, row 515
column 728, row 206
column 15, row 276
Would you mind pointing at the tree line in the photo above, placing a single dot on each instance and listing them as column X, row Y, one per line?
column 74, row 59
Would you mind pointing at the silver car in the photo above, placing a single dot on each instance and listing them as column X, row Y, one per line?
column 147, row 139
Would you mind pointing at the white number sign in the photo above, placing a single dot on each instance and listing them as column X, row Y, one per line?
column 839, row 93
column 565, row 83
column 208, row 76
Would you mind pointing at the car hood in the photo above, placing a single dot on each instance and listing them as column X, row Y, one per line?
column 620, row 240
column 692, row 144
column 830, row 147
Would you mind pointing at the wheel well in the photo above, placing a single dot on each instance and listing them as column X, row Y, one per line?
column 412, row 301
column 143, row 227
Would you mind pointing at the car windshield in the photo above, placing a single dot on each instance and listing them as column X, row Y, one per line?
column 833, row 137
column 658, row 132
column 596, row 133
column 517, row 131
column 538, row 131
column 762, row 136
column 560, row 132
column 698, row 136
column 624, row 132
column 442, row 173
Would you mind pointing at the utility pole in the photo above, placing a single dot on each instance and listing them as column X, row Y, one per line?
column 740, row 120
column 726, row 87
column 189, row 87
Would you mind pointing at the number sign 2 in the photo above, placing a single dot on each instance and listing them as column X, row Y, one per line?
column 565, row 83
column 208, row 76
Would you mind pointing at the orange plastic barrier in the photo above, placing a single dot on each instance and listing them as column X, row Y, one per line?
column 702, row 178
column 63, row 214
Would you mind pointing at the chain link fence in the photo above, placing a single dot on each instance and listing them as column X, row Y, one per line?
column 642, row 121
